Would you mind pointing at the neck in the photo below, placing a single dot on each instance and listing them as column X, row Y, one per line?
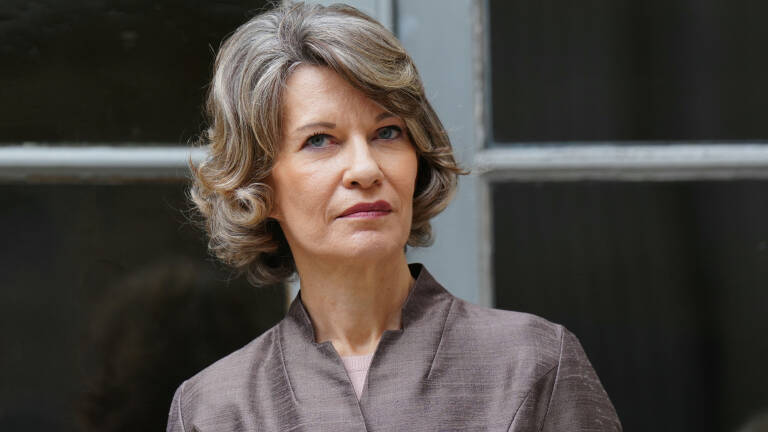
column 352, row 304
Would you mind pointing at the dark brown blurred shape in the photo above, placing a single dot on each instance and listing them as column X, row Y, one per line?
column 157, row 327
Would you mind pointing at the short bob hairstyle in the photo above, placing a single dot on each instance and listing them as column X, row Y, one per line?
column 244, row 114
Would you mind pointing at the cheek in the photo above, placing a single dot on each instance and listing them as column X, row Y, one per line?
column 402, row 175
column 408, row 171
column 302, row 195
column 408, row 176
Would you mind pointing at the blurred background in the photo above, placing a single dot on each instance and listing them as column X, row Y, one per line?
column 619, row 152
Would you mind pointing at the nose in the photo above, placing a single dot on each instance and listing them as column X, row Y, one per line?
column 362, row 170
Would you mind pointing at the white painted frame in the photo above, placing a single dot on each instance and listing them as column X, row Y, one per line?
column 96, row 163
column 636, row 162
column 531, row 162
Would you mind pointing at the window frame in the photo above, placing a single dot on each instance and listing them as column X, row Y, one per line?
column 96, row 163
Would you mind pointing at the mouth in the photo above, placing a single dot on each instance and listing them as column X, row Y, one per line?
column 367, row 210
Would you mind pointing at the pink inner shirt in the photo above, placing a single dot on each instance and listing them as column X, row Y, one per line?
column 357, row 369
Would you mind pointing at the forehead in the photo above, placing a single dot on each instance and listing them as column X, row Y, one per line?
column 315, row 93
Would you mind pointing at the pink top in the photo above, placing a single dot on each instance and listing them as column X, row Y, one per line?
column 357, row 369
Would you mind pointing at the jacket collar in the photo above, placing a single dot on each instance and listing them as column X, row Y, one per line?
column 425, row 291
column 309, row 363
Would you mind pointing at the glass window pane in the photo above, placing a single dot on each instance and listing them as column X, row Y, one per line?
column 104, row 71
column 664, row 283
column 628, row 70
column 108, row 302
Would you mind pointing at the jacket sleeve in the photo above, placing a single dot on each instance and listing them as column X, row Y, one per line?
column 175, row 421
column 577, row 400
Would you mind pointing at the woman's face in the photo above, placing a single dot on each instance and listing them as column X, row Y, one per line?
column 345, row 173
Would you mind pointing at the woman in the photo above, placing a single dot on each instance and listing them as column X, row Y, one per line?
column 327, row 159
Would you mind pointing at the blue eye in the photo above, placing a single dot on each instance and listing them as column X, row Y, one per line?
column 389, row 132
column 317, row 141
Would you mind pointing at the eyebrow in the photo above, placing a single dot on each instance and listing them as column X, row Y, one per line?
column 326, row 125
column 329, row 125
column 383, row 116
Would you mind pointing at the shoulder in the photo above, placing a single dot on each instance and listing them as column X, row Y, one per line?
column 516, row 337
column 227, row 384
column 536, row 358
column 237, row 367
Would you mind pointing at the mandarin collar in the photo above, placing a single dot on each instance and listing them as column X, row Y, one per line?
column 425, row 291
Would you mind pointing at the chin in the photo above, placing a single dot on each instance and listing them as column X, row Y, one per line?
column 371, row 246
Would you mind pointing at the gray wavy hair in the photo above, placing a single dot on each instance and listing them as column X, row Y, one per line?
column 244, row 112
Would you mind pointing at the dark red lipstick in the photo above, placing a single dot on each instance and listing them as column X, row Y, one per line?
column 378, row 208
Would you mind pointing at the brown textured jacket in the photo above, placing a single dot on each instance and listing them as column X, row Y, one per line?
column 454, row 366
